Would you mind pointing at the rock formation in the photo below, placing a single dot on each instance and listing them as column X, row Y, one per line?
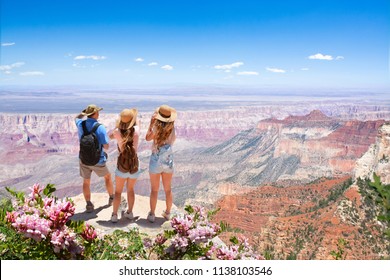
column 377, row 158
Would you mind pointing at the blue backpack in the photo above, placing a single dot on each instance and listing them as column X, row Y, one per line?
column 90, row 148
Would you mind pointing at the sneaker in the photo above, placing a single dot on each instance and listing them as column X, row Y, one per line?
column 110, row 200
column 151, row 217
column 114, row 218
column 128, row 215
column 89, row 207
column 166, row 215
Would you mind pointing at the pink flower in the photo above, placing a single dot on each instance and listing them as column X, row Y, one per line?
column 89, row 233
column 11, row 217
column 59, row 212
column 201, row 234
column 227, row 253
column 180, row 243
column 63, row 239
column 32, row 226
column 160, row 239
column 182, row 225
column 35, row 191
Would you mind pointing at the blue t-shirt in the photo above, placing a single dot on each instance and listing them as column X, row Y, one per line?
column 101, row 134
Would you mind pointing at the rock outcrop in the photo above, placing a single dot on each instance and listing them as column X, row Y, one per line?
column 377, row 158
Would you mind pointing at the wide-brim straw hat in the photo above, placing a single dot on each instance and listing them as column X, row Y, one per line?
column 127, row 118
column 166, row 113
column 91, row 109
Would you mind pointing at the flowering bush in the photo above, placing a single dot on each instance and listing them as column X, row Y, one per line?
column 39, row 227
column 43, row 223
column 194, row 237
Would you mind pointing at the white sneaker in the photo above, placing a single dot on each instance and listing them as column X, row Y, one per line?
column 128, row 215
column 151, row 217
column 166, row 215
column 114, row 218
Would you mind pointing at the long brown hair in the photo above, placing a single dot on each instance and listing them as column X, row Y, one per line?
column 163, row 131
column 128, row 137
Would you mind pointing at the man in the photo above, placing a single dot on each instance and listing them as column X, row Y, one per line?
column 92, row 114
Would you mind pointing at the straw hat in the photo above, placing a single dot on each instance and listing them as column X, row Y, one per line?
column 91, row 109
column 127, row 118
column 166, row 113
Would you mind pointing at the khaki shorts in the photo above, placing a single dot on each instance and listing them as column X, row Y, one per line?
column 86, row 171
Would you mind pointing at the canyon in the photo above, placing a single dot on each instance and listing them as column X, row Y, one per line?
column 283, row 173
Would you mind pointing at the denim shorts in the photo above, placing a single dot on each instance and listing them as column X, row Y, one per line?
column 162, row 161
column 128, row 175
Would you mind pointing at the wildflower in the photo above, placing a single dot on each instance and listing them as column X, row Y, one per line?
column 65, row 239
column 227, row 253
column 160, row 239
column 11, row 217
column 89, row 233
column 182, row 225
column 201, row 234
column 35, row 192
column 123, row 243
column 180, row 243
column 47, row 202
column 60, row 212
column 244, row 243
column 147, row 243
column 201, row 212
column 32, row 226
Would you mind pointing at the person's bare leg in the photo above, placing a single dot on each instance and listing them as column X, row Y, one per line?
column 119, row 183
column 155, row 185
column 87, row 189
column 130, row 194
column 167, row 182
column 109, row 184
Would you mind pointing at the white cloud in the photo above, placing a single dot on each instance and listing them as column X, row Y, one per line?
column 139, row 59
column 228, row 67
column 153, row 64
column 305, row 69
column 248, row 73
column 11, row 66
column 93, row 57
column 321, row 56
column 167, row 67
column 339, row 57
column 275, row 70
column 7, row 44
column 32, row 73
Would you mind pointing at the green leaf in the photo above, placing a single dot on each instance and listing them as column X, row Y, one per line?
column 234, row 240
column 49, row 190
column 18, row 195
column 212, row 213
column 189, row 209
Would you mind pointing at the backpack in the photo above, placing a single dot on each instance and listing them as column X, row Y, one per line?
column 90, row 148
column 128, row 159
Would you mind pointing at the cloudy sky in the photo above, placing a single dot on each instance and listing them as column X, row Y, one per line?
column 327, row 43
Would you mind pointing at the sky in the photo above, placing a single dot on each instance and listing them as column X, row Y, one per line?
column 265, row 44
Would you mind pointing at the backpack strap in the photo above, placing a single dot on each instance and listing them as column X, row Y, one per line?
column 85, row 130
column 95, row 127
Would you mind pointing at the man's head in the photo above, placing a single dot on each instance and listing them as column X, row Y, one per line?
column 92, row 111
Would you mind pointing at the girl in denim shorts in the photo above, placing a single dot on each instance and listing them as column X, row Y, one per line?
column 162, row 132
column 126, row 133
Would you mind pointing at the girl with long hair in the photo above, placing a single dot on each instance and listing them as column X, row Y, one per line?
column 162, row 132
column 127, row 135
